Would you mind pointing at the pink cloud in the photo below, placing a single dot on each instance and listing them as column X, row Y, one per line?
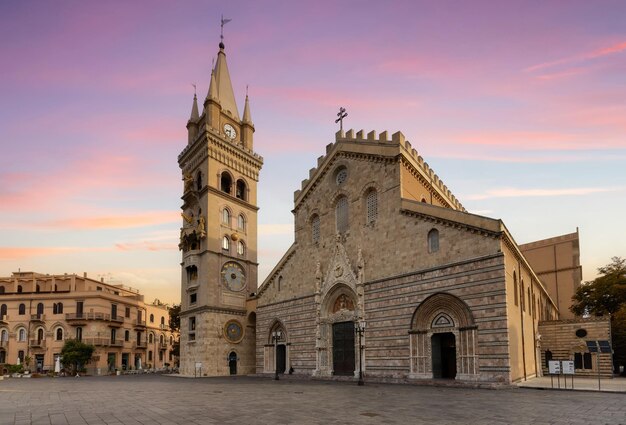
column 18, row 253
column 124, row 221
column 146, row 246
column 598, row 53
column 518, row 193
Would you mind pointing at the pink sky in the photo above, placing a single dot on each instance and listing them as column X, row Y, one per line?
column 520, row 107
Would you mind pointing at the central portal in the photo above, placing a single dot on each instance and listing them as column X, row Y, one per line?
column 343, row 348
column 444, row 355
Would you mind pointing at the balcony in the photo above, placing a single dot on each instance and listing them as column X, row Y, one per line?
column 116, row 343
column 162, row 346
column 37, row 343
column 140, row 323
column 4, row 319
column 38, row 318
column 81, row 318
column 140, row 345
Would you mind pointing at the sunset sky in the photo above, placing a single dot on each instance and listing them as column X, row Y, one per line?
column 520, row 108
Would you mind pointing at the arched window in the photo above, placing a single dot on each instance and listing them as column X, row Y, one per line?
column 530, row 303
column 280, row 282
column 3, row 310
column 59, row 334
column 521, row 295
column 152, row 318
column 161, row 340
column 150, row 338
column 4, row 335
column 21, row 310
column 40, row 334
column 226, row 217
column 199, row 180
column 37, row 289
column 79, row 334
column 226, row 243
column 433, row 240
column 1, row 289
column 60, row 308
column 113, row 335
column 241, row 222
column 241, row 248
column 226, row 182
column 39, row 309
column 21, row 335
column 127, row 335
column 315, row 228
column 371, row 201
column 241, row 189
column 19, row 289
column 341, row 214
column 515, row 289
column 192, row 273
column 162, row 320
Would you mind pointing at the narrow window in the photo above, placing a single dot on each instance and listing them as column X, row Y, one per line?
column 372, row 207
column 59, row 336
column 241, row 248
column 341, row 214
column 226, row 217
column 199, row 180
column 587, row 361
column 162, row 320
column 241, row 189
column 150, row 338
column 39, row 334
column 1, row 289
column 241, row 222
column 19, row 289
column 549, row 357
column 127, row 312
column 315, row 229
column 59, row 308
column 193, row 297
column 152, row 318
column 226, row 243
column 37, row 289
column 113, row 335
column 515, row 289
column 39, row 310
column 280, row 282
column 3, row 310
column 192, row 323
column 79, row 334
column 226, row 182
column 150, row 355
column 433, row 241
column 126, row 335
column 21, row 309
column 22, row 335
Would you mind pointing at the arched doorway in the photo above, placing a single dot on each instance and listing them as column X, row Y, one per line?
column 443, row 339
column 232, row 363
column 281, row 358
column 443, row 348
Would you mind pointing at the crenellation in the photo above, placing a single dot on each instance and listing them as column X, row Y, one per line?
column 414, row 154
column 360, row 134
column 312, row 172
column 350, row 134
column 383, row 137
column 398, row 137
column 339, row 135
column 320, row 159
column 371, row 135
column 328, row 148
column 296, row 193
column 304, row 183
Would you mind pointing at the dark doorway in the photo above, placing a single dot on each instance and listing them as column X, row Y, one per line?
column 232, row 363
column 343, row 348
column 39, row 362
column 444, row 356
column 281, row 358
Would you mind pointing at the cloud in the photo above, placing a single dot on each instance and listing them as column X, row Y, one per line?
column 18, row 253
column 583, row 57
column 121, row 221
column 520, row 193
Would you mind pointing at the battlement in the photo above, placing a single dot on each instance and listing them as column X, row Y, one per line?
column 397, row 139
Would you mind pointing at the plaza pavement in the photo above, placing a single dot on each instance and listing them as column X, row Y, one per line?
column 155, row 399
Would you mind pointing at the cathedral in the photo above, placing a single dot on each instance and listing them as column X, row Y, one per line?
column 388, row 277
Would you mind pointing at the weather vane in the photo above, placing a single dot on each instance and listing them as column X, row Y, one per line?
column 194, row 88
column 224, row 22
column 341, row 114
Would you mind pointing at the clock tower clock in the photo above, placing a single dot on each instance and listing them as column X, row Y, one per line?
column 218, row 237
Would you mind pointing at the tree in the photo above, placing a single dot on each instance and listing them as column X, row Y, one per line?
column 75, row 354
column 606, row 294
column 175, row 317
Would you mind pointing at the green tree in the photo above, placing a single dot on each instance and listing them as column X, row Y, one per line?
column 606, row 294
column 175, row 317
column 75, row 354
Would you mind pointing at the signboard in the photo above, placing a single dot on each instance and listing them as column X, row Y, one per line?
column 198, row 365
column 554, row 367
column 568, row 367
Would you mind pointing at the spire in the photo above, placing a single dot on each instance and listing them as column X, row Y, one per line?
column 246, row 111
column 212, row 94
column 225, row 94
column 194, row 109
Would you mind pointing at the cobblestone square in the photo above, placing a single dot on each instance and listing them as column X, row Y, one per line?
column 154, row 399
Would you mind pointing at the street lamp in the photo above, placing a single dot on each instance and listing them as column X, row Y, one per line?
column 276, row 336
column 360, row 329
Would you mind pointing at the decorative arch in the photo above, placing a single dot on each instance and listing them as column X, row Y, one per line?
column 242, row 220
column 443, row 313
column 273, row 348
column 226, row 182
column 241, row 189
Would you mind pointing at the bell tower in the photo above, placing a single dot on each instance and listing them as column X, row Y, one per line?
column 218, row 237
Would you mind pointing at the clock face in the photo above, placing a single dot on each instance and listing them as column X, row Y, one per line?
column 229, row 131
column 233, row 331
column 233, row 276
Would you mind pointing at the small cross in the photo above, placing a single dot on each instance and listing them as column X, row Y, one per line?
column 341, row 114
column 223, row 22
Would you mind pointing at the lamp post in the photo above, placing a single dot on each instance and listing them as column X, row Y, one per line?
column 360, row 329
column 276, row 336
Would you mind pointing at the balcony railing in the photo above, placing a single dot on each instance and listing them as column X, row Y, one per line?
column 140, row 345
column 162, row 346
column 140, row 322
column 94, row 316
column 116, row 343
column 37, row 343
column 38, row 317
column 4, row 319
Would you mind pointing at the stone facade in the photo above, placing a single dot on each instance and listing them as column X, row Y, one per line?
column 379, row 238
column 40, row 312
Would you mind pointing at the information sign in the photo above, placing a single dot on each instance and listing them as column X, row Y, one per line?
column 554, row 367
column 568, row 367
